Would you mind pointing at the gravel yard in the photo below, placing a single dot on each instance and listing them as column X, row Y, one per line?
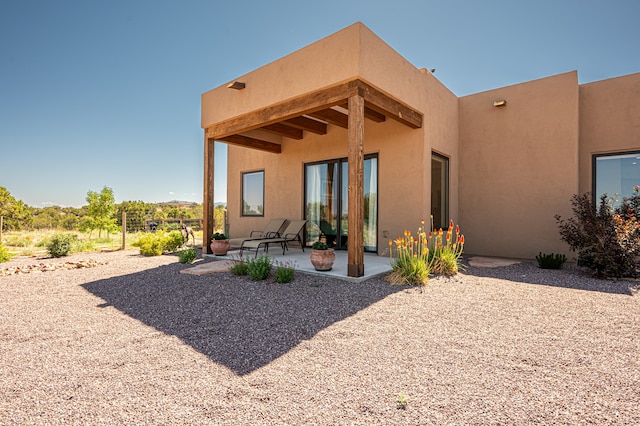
column 131, row 340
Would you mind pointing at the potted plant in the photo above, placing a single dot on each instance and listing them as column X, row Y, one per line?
column 322, row 257
column 219, row 244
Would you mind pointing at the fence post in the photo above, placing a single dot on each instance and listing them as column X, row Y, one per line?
column 124, row 230
column 1, row 220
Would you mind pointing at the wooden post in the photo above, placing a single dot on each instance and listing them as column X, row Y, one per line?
column 207, row 202
column 1, row 220
column 124, row 230
column 355, row 255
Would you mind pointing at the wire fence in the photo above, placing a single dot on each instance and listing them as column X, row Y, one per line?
column 131, row 228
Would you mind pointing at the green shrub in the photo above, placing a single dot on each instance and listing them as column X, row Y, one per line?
column 172, row 241
column 187, row 255
column 5, row 255
column 284, row 272
column 259, row 268
column 150, row 244
column 551, row 261
column 606, row 239
column 239, row 267
column 60, row 244
column 154, row 244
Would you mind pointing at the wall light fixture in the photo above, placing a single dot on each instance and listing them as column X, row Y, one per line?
column 236, row 85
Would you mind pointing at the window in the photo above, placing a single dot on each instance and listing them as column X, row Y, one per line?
column 326, row 202
column 440, row 191
column 253, row 193
column 615, row 174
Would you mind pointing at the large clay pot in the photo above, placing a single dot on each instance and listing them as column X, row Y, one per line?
column 220, row 247
column 323, row 260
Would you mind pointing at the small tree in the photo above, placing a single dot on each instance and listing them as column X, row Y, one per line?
column 101, row 211
column 17, row 214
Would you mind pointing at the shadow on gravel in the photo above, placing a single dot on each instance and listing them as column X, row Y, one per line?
column 568, row 277
column 239, row 323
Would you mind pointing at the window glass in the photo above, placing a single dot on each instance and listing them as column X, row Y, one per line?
column 326, row 202
column 440, row 191
column 253, row 193
column 616, row 174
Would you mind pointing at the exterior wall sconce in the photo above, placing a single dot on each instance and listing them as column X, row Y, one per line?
column 499, row 103
column 236, row 85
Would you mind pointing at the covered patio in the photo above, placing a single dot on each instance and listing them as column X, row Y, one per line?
column 345, row 105
column 376, row 265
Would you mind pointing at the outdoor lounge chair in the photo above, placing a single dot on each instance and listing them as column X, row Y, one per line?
column 272, row 230
column 291, row 233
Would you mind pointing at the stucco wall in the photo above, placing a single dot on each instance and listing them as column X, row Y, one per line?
column 609, row 120
column 404, row 153
column 324, row 63
column 518, row 166
column 397, row 146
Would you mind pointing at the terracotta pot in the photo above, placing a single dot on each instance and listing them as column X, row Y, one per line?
column 323, row 260
column 220, row 247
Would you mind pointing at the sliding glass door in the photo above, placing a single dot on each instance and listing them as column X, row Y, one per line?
column 326, row 202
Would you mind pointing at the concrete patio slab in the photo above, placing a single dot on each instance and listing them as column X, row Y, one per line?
column 208, row 268
column 373, row 264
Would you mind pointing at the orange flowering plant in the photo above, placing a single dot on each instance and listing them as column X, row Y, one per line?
column 418, row 256
column 447, row 249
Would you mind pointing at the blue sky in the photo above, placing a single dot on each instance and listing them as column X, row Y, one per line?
column 98, row 93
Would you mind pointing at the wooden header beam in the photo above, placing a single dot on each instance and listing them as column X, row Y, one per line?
column 311, row 103
column 378, row 101
column 282, row 111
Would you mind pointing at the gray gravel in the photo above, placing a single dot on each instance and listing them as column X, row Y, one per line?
column 136, row 342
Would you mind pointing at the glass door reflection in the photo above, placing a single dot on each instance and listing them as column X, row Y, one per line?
column 327, row 207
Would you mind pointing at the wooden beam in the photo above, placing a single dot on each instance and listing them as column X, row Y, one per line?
column 378, row 106
column 300, row 105
column 378, row 101
column 307, row 124
column 254, row 143
column 207, row 199
column 374, row 115
column 355, row 255
column 370, row 114
column 332, row 116
column 283, row 130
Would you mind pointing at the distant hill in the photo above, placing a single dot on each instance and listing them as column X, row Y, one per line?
column 178, row 203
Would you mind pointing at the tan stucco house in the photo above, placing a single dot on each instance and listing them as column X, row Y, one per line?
column 352, row 137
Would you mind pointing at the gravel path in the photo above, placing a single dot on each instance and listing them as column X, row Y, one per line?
column 133, row 341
